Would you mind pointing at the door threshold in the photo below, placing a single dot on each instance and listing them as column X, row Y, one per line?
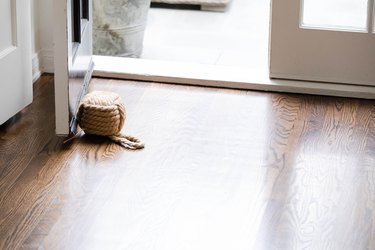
column 218, row 76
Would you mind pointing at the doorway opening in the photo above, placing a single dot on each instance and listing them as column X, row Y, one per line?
column 237, row 36
column 184, row 44
column 231, row 49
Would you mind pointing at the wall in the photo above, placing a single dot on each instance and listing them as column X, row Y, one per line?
column 35, row 39
column 42, row 40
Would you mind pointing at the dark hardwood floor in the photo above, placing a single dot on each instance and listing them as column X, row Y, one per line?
column 222, row 169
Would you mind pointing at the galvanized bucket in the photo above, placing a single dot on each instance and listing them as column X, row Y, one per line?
column 118, row 27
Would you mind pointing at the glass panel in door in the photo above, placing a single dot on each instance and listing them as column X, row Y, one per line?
column 335, row 14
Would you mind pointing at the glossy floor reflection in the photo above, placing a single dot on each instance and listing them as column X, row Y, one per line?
column 222, row 169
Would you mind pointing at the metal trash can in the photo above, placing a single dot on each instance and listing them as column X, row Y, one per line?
column 118, row 27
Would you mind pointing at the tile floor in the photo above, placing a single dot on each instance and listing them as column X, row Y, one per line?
column 237, row 37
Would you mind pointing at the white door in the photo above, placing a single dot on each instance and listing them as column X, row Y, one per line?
column 15, row 57
column 323, row 40
column 73, row 59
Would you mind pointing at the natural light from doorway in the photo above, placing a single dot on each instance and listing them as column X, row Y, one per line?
column 335, row 14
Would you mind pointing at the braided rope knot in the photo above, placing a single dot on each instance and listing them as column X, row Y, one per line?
column 103, row 113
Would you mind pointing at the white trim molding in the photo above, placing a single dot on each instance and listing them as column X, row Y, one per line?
column 37, row 70
column 219, row 76
column 42, row 62
column 47, row 60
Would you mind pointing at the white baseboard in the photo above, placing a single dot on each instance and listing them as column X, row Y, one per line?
column 47, row 60
column 36, row 64
column 42, row 62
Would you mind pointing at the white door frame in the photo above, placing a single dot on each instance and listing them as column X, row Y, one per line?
column 73, row 64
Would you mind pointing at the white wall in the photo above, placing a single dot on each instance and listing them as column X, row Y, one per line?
column 35, row 40
column 46, row 34
column 42, row 32
column 35, row 26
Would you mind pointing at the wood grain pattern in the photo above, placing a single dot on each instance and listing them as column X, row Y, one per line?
column 222, row 169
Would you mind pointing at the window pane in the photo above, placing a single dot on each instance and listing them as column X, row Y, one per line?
column 340, row 14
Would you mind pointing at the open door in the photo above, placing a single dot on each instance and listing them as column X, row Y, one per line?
column 15, row 57
column 323, row 40
column 73, row 59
